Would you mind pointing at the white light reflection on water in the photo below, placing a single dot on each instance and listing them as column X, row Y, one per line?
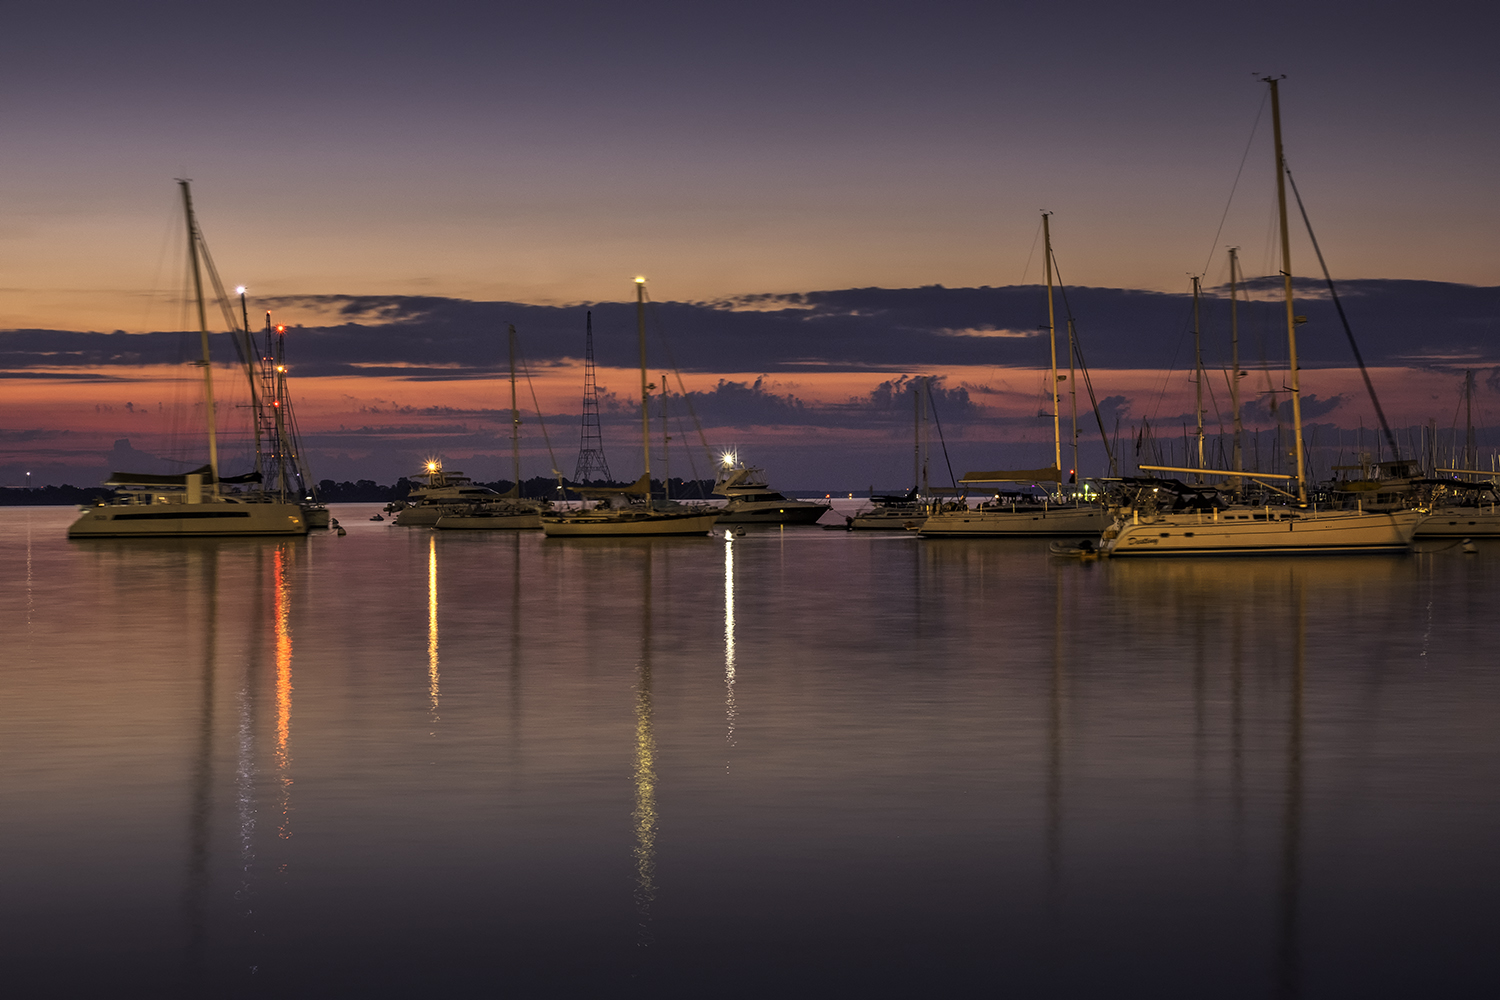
column 729, row 709
column 433, row 690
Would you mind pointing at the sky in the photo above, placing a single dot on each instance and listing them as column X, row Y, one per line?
column 827, row 199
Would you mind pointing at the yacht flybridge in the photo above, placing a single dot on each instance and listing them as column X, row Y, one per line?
column 194, row 503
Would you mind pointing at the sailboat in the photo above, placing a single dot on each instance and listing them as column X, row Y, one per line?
column 1164, row 520
column 508, row 510
column 1026, row 517
column 1465, row 507
column 194, row 503
column 630, row 510
column 283, row 459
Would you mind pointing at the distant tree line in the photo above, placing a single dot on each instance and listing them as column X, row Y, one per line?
column 360, row 491
column 369, row 491
column 56, row 496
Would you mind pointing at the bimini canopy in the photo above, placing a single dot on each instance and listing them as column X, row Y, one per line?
column 126, row 479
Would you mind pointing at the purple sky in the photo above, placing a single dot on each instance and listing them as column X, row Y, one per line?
column 546, row 154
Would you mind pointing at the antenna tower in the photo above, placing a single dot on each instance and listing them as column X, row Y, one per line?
column 591, row 462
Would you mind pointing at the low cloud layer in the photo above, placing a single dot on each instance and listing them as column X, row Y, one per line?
column 1400, row 323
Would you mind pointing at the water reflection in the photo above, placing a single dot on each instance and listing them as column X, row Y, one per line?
column 203, row 559
column 645, row 773
column 283, row 604
column 1289, row 964
column 433, row 691
column 729, row 709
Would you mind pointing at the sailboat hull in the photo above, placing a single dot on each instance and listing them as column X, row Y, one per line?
column 1263, row 533
column 1461, row 522
column 1016, row 523
column 183, row 520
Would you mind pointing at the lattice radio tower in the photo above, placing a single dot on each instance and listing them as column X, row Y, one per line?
column 591, row 462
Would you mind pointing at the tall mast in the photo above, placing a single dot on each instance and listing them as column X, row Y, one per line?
column 207, row 362
column 283, row 444
column 255, row 401
column 1471, row 454
column 515, row 412
column 1073, row 398
column 1286, row 274
column 1198, row 372
column 916, row 433
column 1234, row 346
column 666, row 442
column 640, row 332
column 1052, row 335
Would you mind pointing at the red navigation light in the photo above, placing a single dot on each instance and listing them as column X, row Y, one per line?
column 281, row 329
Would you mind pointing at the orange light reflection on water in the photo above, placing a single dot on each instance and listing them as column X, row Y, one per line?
column 283, row 688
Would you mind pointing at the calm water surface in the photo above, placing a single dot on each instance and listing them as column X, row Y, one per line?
column 801, row 762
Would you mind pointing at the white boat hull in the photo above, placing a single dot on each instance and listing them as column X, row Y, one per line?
column 1461, row 522
column 184, row 520
column 624, row 523
column 879, row 520
column 1263, row 533
column 1020, row 522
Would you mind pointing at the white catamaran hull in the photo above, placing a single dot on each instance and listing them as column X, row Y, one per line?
column 1263, row 532
column 182, row 520
column 627, row 523
column 1018, row 522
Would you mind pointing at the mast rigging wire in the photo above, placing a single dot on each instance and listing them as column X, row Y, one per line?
column 1348, row 332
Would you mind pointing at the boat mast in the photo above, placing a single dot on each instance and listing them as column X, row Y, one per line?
column 1286, row 274
column 207, row 362
column 640, row 332
column 1073, row 399
column 1198, row 373
column 916, row 433
column 1471, row 453
column 515, row 412
column 666, row 443
column 1052, row 335
column 1234, row 346
column 255, row 401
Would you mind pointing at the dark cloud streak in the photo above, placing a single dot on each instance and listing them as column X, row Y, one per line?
column 1401, row 323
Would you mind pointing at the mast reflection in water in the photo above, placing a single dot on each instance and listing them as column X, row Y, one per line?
column 645, row 771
